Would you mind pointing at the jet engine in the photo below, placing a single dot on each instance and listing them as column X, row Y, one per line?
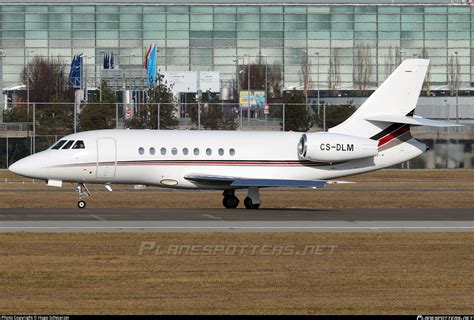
column 335, row 147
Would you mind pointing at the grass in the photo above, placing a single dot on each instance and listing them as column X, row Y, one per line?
column 414, row 189
column 415, row 273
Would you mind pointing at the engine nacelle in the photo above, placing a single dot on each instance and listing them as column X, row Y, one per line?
column 335, row 147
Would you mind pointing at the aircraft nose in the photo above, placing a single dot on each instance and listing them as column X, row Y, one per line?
column 31, row 166
column 20, row 167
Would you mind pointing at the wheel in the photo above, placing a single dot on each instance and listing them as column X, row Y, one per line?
column 249, row 205
column 230, row 202
column 81, row 204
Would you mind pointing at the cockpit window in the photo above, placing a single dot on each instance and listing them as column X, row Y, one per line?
column 68, row 144
column 59, row 144
column 79, row 145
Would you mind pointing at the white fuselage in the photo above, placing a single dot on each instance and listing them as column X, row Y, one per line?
column 114, row 156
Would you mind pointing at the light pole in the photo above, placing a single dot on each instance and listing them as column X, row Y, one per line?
column 457, row 87
column 317, row 61
column 2, row 54
column 237, row 75
column 306, row 77
column 266, row 76
column 100, row 87
column 28, row 81
column 248, row 88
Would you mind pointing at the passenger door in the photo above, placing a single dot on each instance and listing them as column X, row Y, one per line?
column 106, row 158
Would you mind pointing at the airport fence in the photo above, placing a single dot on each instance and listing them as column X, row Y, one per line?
column 30, row 128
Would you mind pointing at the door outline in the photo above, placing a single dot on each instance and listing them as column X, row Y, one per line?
column 103, row 171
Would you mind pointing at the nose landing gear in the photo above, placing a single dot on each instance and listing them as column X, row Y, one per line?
column 82, row 192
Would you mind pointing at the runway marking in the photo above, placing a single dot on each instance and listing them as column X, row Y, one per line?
column 211, row 216
column 243, row 228
column 96, row 217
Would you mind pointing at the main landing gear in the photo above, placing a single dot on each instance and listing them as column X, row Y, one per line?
column 82, row 192
column 252, row 201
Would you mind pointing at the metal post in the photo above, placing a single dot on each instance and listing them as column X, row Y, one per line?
column 28, row 82
column 317, row 53
column 116, row 116
column 283, row 121
column 7, row 151
column 306, row 79
column 158, row 114
column 324, row 117
column 34, row 127
column 457, row 88
column 237, row 78
column 199, row 115
column 248, row 89
column 75, row 117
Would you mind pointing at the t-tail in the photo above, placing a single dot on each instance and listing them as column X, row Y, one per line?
column 387, row 115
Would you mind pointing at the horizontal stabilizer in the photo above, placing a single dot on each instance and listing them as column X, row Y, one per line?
column 415, row 120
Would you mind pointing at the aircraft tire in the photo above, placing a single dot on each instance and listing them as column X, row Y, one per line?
column 230, row 202
column 81, row 204
column 249, row 205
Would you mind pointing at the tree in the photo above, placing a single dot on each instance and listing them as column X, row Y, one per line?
column 335, row 114
column 297, row 117
column 362, row 73
column 257, row 78
column 334, row 74
column 212, row 115
column 305, row 71
column 96, row 114
column 48, row 81
column 147, row 115
column 392, row 60
column 454, row 74
column 427, row 81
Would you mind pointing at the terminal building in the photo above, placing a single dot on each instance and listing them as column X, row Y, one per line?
column 220, row 35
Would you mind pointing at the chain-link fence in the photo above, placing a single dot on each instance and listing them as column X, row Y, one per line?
column 32, row 128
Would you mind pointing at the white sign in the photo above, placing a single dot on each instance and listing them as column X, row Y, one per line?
column 181, row 81
column 192, row 81
column 209, row 80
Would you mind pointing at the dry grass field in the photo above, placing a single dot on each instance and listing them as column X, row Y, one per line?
column 388, row 273
column 365, row 273
column 381, row 189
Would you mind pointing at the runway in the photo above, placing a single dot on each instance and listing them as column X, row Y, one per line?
column 261, row 220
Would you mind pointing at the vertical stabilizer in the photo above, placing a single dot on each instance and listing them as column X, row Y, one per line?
column 397, row 96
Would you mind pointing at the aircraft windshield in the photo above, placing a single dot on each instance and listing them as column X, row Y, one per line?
column 59, row 144
column 68, row 144
column 79, row 145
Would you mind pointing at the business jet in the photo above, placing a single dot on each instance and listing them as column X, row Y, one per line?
column 376, row 136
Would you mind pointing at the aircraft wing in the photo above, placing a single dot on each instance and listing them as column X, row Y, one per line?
column 248, row 182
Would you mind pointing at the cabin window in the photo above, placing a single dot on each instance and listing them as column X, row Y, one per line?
column 232, row 152
column 68, row 144
column 174, row 151
column 141, row 151
column 59, row 144
column 185, row 151
column 221, row 151
column 208, row 151
column 196, row 151
column 163, row 151
column 79, row 145
column 152, row 151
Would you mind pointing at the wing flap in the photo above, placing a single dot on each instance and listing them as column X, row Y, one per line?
column 247, row 182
